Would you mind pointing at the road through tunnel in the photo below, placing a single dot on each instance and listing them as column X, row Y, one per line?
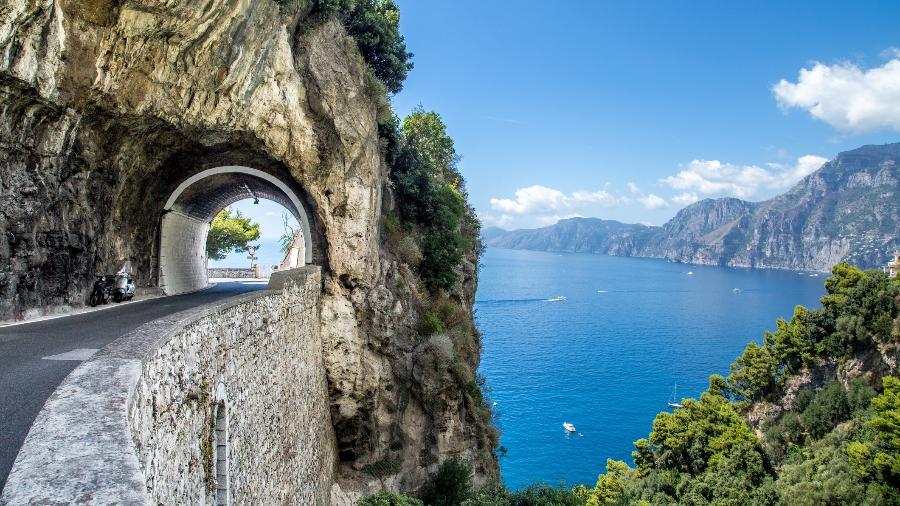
column 190, row 208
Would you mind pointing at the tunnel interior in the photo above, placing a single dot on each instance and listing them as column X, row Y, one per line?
column 195, row 202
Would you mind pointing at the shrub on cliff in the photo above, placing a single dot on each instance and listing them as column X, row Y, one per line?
column 375, row 26
column 450, row 486
column 430, row 194
column 388, row 499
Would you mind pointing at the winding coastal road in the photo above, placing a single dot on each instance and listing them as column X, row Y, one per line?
column 35, row 357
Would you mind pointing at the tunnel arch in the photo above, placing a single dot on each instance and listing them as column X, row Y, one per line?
column 190, row 208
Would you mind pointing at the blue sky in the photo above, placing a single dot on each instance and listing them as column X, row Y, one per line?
column 567, row 103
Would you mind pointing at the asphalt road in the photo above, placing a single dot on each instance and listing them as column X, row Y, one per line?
column 27, row 379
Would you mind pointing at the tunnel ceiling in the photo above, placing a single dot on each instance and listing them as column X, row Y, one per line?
column 206, row 197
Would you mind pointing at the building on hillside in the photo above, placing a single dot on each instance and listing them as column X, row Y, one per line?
column 893, row 267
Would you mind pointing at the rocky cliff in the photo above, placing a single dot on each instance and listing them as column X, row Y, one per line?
column 107, row 105
column 847, row 210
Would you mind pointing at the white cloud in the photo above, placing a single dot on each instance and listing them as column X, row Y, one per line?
column 846, row 96
column 685, row 198
column 716, row 178
column 532, row 199
column 539, row 199
column 653, row 201
column 633, row 188
column 542, row 205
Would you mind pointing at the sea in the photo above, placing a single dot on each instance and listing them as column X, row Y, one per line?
column 268, row 254
column 603, row 342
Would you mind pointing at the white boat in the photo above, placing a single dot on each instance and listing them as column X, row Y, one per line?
column 558, row 298
column 737, row 290
column 569, row 427
column 690, row 273
column 674, row 402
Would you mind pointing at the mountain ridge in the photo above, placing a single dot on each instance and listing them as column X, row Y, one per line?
column 849, row 209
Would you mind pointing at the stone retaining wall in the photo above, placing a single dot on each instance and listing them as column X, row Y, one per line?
column 233, row 272
column 135, row 424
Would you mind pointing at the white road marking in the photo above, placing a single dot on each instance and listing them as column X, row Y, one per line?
column 78, row 354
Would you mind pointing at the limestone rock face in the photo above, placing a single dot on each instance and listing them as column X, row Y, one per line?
column 108, row 105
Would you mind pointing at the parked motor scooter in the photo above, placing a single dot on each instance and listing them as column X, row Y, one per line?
column 123, row 288
column 101, row 292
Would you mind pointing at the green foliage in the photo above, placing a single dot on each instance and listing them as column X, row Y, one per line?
column 820, row 474
column 700, row 432
column 791, row 341
column 375, row 26
column 430, row 323
column 610, row 488
column 535, row 495
column 450, row 486
column 827, row 409
column 886, row 423
column 229, row 232
column 754, row 373
column 388, row 499
column 860, row 394
column 430, row 195
column 387, row 466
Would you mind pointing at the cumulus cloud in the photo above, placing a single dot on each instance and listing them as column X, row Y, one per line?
column 716, row 178
column 653, row 201
column 685, row 198
column 846, row 96
column 633, row 188
column 542, row 205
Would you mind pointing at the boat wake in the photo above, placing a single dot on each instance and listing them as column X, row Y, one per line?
column 508, row 301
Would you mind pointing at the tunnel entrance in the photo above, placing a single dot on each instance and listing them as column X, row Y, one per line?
column 196, row 201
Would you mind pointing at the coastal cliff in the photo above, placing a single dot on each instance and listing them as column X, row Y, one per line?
column 108, row 105
column 847, row 210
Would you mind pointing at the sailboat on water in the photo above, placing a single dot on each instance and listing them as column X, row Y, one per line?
column 674, row 402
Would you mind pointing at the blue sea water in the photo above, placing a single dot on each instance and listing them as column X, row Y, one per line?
column 606, row 359
column 268, row 254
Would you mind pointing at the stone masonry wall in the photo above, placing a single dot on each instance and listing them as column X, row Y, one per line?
column 262, row 360
column 234, row 272
column 182, row 254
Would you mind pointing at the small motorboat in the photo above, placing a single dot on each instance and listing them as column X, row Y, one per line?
column 737, row 290
column 690, row 273
column 569, row 427
column 558, row 298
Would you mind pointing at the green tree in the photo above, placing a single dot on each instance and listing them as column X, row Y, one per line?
column 753, row 373
column 700, row 432
column 229, row 232
column 430, row 194
column 791, row 341
column 450, row 486
column 827, row 409
column 610, row 488
column 886, row 423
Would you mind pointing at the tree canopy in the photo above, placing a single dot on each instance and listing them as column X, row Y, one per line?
column 230, row 232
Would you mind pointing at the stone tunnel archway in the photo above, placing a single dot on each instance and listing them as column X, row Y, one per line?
column 191, row 207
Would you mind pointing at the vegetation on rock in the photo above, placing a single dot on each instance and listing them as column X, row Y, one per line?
column 230, row 232
column 375, row 26
column 430, row 195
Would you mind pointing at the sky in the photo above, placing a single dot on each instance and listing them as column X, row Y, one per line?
column 632, row 110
